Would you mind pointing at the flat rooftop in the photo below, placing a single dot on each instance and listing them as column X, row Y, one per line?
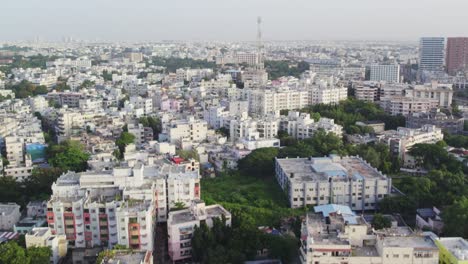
column 321, row 169
column 8, row 209
column 457, row 246
column 127, row 257
column 417, row 242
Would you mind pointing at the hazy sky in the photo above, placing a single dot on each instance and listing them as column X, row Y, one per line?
column 232, row 20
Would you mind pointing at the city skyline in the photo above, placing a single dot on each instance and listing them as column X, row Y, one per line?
column 228, row 21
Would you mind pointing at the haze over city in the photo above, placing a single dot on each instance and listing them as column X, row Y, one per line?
column 120, row 20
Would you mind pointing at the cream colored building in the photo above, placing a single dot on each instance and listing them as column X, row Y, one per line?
column 301, row 126
column 264, row 101
column 42, row 237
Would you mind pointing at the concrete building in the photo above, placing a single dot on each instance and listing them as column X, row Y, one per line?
column 334, row 234
column 401, row 140
column 301, row 126
column 457, row 55
column 43, row 237
column 368, row 92
column 386, row 73
column 142, row 134
column 327, row 93
column 122, row 205
column 264, row 101
column 9, row 215
column 453, row 250
column 443, row 93
column 429, row 218
column 129, row 257
column 191, row 129
column 181, row 224
column 343, row 180
column 431, row 54
column 406, row 106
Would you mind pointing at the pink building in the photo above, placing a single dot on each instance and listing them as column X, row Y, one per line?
column 457, row 54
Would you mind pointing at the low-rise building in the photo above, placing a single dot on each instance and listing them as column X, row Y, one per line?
column 429, row 218
column 301, row 126
column 347, row 180
column 181, row 225
column 43, row 237
column 334, row 234
column 453, row 250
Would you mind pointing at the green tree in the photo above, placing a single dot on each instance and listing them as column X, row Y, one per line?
column 68, row 155
column 259, row 163
column 39, row 255
column 124, row 140
column 380, row 222
column 455, row 218
column 11, row 253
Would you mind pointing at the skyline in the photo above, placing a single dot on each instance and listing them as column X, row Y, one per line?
column 107, row 20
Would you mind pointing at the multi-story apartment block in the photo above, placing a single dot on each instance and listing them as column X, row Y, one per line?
column 70, row 99
column 269, row 100
column 431, row 53
column 142, row 134
column 457, row 55
column 325, row 93
column 386, row 73
column 78, row 63
column 401, row 140
column 443, row 93
column 181, row 225
column 301, row 126
column 368, row 91
column 343, row 180
column 334, row 234
column 245, row 127
column 122, row 205
column 67, row 121
column 142, row 103
column 191, row 129
column 405, row 106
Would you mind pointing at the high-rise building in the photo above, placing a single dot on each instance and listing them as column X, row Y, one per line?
column 431, row 54
column 387, row 73
column 457, row 55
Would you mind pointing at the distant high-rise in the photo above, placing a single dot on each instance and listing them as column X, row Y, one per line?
column 387, row 73
column 431, row 54
column 457, row 55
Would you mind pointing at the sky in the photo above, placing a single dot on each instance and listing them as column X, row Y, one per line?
column 233, row 20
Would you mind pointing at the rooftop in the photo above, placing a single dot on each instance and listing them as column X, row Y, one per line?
column 457, row 246
column 321, row 169
column 127, row 257
column 417, row 242
column 8, row 208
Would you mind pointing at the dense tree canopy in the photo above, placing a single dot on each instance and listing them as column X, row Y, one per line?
column 277, row 69
column 259, row 163
column 12, row 253
column 68, row 155
column 124, row 140
column 24, row 89
column 455, row 218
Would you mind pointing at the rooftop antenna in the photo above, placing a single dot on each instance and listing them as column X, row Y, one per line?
column 259, row 44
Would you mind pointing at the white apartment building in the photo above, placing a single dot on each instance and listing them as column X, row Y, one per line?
column 254, row 78
column 9, row 215
column 245, row 127
column 325, row 93
column 78, row 63
column 38, row 103
column 70, row 99
column 141, row 103
column 67, row 121
column 405, row 106
column 342, row 180
column 386, row 73
column 181, row 225
column 15, row 150
column 334, row 234
column 401, row 140
column 43, row 237
column 191, row 129
column 269, row 100
column 301, row 126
